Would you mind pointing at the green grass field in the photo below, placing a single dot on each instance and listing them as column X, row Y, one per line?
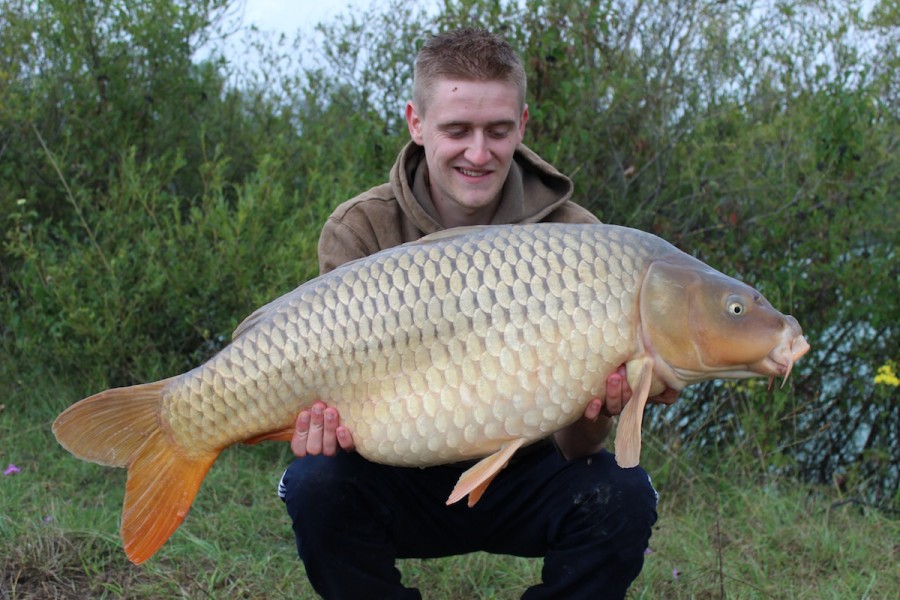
column 725, row 532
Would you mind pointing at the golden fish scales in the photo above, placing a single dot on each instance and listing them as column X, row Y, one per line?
column 433, row 352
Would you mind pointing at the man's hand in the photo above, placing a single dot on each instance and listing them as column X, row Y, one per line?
column 618, row 393
column 319, row 431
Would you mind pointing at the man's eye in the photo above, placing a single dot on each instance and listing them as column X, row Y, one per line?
column 499, row 133
column 456, row 133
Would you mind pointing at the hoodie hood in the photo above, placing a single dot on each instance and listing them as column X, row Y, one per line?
column 533, row 189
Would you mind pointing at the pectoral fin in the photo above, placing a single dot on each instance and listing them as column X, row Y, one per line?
column 476, row 479
column 628, row 431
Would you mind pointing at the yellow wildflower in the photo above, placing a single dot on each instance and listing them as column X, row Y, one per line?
column 886, row 375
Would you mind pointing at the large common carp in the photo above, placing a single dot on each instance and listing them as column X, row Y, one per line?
column 468, row 343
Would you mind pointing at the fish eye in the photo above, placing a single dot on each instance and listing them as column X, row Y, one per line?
column 736, row 308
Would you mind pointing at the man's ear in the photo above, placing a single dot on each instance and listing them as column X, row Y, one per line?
column 522, row 121
column 414, row 123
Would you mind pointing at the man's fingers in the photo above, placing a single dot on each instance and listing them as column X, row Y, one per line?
column 622, row 372
column 301, row 434
column 614, row 395
column 316, row 426
column 318, row 430
column 668, row 397
column 345, row 439
column 329, row 436
column 593, row 409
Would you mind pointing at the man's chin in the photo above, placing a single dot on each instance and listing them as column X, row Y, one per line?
column 478, row 196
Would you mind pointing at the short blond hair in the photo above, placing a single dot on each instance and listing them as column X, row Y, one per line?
column 467, row 54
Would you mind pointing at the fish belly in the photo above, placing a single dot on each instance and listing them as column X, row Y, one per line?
column 432, row 352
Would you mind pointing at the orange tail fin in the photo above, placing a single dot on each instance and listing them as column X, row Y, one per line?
column 120, row 428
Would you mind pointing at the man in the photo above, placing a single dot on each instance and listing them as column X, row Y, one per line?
column 566, row 499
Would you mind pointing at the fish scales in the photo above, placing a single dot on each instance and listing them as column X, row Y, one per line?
column 452, row 340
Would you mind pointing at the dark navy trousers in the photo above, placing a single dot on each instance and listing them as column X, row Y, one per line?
column 590, row 519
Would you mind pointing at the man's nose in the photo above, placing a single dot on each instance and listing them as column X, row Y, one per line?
column 477, row 151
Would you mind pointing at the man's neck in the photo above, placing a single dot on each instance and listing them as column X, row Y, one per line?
column 455, row 216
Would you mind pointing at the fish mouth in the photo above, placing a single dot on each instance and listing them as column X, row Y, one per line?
column 779, row 362
column 782, row 358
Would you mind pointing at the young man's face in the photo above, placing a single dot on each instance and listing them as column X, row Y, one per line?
column 470, row 130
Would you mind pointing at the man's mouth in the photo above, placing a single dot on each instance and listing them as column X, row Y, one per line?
column 472, row 172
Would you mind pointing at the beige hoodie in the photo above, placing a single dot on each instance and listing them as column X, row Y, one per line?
column 401, row 210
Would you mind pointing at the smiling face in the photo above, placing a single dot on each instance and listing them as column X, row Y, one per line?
column 470, row 131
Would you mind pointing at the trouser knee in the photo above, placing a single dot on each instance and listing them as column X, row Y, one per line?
column 318, row 496
column 616, row 505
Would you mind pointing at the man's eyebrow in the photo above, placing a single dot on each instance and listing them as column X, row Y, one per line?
column 498, row 123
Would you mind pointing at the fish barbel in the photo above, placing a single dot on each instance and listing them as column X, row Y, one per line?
column 468, row 343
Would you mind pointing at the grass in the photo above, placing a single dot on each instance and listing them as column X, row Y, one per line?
column 724, row 531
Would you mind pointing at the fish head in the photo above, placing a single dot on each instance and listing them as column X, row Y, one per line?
column 700, row 324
